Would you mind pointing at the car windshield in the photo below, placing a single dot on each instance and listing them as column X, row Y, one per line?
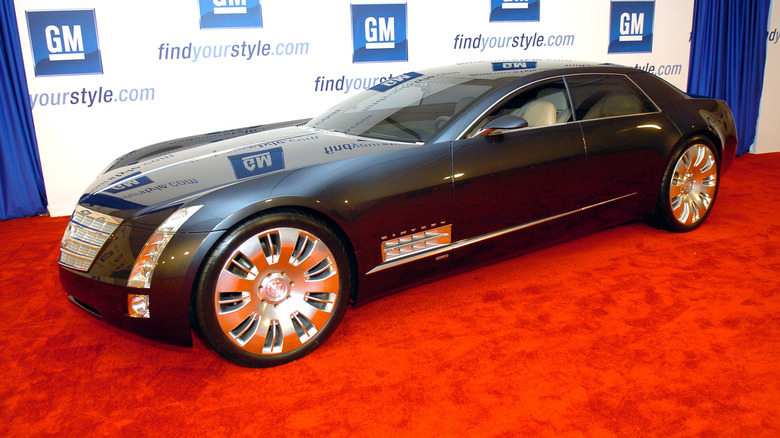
column 410, row 107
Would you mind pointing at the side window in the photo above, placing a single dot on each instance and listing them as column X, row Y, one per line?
column 542, row 105
column 597, row 97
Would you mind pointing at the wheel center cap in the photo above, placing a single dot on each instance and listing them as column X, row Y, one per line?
column 275, row 287
column 687, row 185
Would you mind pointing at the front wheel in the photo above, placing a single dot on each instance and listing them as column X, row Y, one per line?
column 272, row 290
column 689, row 187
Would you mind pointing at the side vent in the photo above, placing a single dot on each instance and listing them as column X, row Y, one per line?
column 416, row 243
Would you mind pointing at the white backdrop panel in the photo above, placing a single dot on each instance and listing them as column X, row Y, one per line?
column 166, row 79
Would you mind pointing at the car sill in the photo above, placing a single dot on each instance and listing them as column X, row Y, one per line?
column 482, row 238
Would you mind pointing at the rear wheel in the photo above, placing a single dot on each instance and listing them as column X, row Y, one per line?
column 273, row 290
column 689, row 187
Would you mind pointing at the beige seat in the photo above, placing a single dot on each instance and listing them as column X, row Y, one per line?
column 561, row 102
column 615, row 104
column 539, row 113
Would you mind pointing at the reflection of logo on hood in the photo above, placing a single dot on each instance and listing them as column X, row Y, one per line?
column 506, row 66
column 257, row 163
column 396, row 81
column 129, row 184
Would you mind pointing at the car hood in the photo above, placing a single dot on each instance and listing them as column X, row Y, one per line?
column 173, row 177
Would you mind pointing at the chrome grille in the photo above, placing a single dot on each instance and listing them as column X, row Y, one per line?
column 86, row 233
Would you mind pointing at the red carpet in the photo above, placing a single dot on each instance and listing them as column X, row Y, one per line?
column 629, row 332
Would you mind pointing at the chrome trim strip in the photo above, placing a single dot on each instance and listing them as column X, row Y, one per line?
column 414, row 243
column 460, row 244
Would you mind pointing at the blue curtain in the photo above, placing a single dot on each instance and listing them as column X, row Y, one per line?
column 22, row 192
column 728, row 53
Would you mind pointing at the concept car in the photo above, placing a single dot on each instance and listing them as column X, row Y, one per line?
column 259, row 238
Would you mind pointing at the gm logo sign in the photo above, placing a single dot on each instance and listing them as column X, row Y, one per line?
column 379, row 33
column 230, row 13
column 514, row 10
column 631, row 26
column 64, row 42
column 257, row 163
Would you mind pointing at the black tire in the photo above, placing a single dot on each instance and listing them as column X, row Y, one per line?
column 272, row 290
column 689, row 187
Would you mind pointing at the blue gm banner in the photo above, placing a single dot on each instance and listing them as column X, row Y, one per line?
column 379, row 33
column 514, row 10
column 230, row 13
column 631, row 26
column 64, row 42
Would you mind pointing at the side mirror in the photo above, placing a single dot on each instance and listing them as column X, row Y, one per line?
column 502, row 125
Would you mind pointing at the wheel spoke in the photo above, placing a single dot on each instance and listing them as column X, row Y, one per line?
column 244, row 331
column 321, row 300
column 274, row 339
column 685, row 213
column 242, row 267
column 303, row 327
column 233, row 301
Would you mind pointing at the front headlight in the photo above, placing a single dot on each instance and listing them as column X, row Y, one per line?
column 141, row 275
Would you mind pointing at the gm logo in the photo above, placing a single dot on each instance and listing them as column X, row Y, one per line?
column 510, row 66
column 64, row 42
column 230, row 13
column 514, row 10
column 631, row 26
column 257, row 163
column 130, row 184
column 379, row 33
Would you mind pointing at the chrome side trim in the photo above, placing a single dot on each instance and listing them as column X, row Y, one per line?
column 460, row 244
column 418, row 242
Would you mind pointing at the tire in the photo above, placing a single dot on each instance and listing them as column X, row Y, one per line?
column 689, row 187
column 272, row 290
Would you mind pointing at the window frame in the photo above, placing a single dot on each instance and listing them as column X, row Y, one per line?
column 629, row 82
column 510, row 95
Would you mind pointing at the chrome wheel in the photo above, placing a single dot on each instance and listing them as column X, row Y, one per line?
column 273, row 290
column 276, row 291
column 693, row 184
column 688, row 188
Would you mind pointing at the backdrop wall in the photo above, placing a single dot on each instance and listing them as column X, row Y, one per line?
column 768, row 133
column 108, row 77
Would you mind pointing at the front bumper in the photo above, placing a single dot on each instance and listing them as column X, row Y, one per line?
column 102, row 290
column 170, row 322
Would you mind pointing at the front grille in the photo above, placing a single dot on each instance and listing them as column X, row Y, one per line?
column 86, row 233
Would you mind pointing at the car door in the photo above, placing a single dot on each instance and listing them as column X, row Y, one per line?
column 625, row 135
column 510, row 188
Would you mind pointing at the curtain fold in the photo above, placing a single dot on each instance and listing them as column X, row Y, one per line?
column 22, row 192
column 728, row 54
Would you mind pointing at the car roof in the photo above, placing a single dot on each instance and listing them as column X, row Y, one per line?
column 508, row 71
